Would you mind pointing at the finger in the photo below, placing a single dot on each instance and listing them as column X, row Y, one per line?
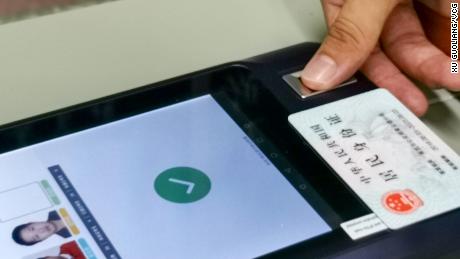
column 380, row 70
column 440, row 6
column 331, row 9
column 410, row 50
column 351, row 38
column 435, row 25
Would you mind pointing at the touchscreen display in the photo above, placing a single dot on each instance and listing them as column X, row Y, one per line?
column 177, row 182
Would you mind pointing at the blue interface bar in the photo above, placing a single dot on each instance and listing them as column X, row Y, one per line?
column 83, row 212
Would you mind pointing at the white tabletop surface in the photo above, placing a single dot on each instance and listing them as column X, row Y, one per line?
column 57, row 60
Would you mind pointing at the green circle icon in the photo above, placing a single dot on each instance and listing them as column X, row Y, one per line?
column 182, row 184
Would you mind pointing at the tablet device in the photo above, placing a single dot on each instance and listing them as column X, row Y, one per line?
column 214, row 164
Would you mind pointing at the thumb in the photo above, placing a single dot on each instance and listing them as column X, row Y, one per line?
column 351, row 38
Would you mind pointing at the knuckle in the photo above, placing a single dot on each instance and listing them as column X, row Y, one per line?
column 409, row 40
column 347, row 34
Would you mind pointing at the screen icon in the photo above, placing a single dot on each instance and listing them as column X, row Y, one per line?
column 182, row 184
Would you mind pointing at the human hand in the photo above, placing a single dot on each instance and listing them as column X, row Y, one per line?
column 385, row 39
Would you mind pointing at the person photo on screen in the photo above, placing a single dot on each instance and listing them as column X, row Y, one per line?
column 67, row 251
column 34, row 232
